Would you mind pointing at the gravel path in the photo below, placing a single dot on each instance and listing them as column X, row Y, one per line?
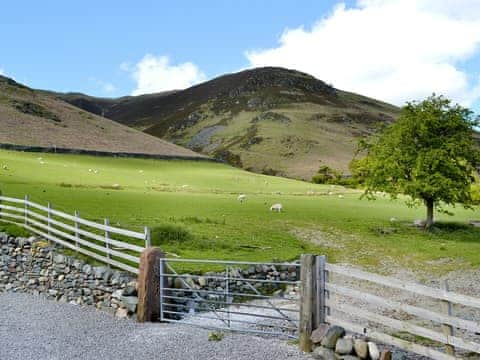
column 35, row 328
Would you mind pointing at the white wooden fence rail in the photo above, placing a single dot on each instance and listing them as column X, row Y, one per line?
column 118, row 253
column 445, row 319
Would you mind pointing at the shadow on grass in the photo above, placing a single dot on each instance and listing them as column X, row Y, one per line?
column 460, row 232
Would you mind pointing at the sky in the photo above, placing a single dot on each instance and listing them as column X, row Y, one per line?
column 393, row 50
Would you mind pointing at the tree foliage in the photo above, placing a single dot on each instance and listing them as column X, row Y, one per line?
column 428, row 154
column 326, row 175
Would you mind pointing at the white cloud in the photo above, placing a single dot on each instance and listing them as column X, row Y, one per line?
column 125, row 66
column 2, row 72
column 155, row 74
column 395, row 50
column 106, row 87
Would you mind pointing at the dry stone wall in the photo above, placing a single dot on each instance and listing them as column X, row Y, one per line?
column 33, row 266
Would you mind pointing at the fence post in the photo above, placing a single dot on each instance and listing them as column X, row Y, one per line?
column 106, row 222
column 160, row 287
column 77, row 215
column 148, row 240
column 49, row 217
column 307, row 301
column 226, row 291
column 26, row 209
column 319, row 310
column 447, row 329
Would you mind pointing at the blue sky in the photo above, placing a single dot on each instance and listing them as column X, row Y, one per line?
column 114, row 48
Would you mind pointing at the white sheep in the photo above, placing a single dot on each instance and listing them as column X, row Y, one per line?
column 95, row 171
column 242, row 198
column 4, row 167
column 90, row 170
column 276, row 208
column 340, row 196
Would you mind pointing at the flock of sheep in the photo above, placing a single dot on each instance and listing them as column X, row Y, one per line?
column 275, row 207
column 278, row 207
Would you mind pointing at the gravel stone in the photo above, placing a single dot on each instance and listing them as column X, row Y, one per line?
column 333, row 334
column 41, row 329
column 344, row 346
column 373, row 351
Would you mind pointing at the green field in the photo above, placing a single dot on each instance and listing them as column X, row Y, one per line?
column 201, row 197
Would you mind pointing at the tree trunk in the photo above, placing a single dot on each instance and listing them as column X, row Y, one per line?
column 430, row 204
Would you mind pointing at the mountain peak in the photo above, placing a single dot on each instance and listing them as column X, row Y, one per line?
column 270, row 119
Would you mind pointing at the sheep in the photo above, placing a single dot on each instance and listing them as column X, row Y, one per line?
column 393, row 219
column 95, row 171
column 90, row 170
column 340, row 196
column 242, row 198
column 276, row 208
column 42, row 162
column 4, row 167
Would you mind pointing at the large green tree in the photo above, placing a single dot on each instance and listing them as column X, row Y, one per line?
column 428, row 154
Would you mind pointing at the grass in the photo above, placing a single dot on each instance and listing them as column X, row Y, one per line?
column 195, row 204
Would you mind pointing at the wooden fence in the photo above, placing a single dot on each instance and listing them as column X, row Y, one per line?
column 329, row 310
column 75, row 233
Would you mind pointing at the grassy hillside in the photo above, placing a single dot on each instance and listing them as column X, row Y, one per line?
column 269, row 120
column 35, row 118
column 202, row 198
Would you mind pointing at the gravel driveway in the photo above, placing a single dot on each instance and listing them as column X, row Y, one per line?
column 35, row 328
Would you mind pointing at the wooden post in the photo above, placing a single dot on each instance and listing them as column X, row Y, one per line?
column 320, row 291
column 106, row 222
column 76, row 214
column 149, row 304
column 447, row 329
column 307, row 294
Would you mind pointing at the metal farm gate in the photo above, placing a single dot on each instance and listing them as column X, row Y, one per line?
column 261, row 298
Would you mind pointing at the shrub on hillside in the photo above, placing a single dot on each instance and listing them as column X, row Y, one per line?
column 326, row 175
column 34, row 109
column 476, row 194
column 170, row 234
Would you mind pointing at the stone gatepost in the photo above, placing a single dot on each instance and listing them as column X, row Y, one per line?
column 149, row 285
